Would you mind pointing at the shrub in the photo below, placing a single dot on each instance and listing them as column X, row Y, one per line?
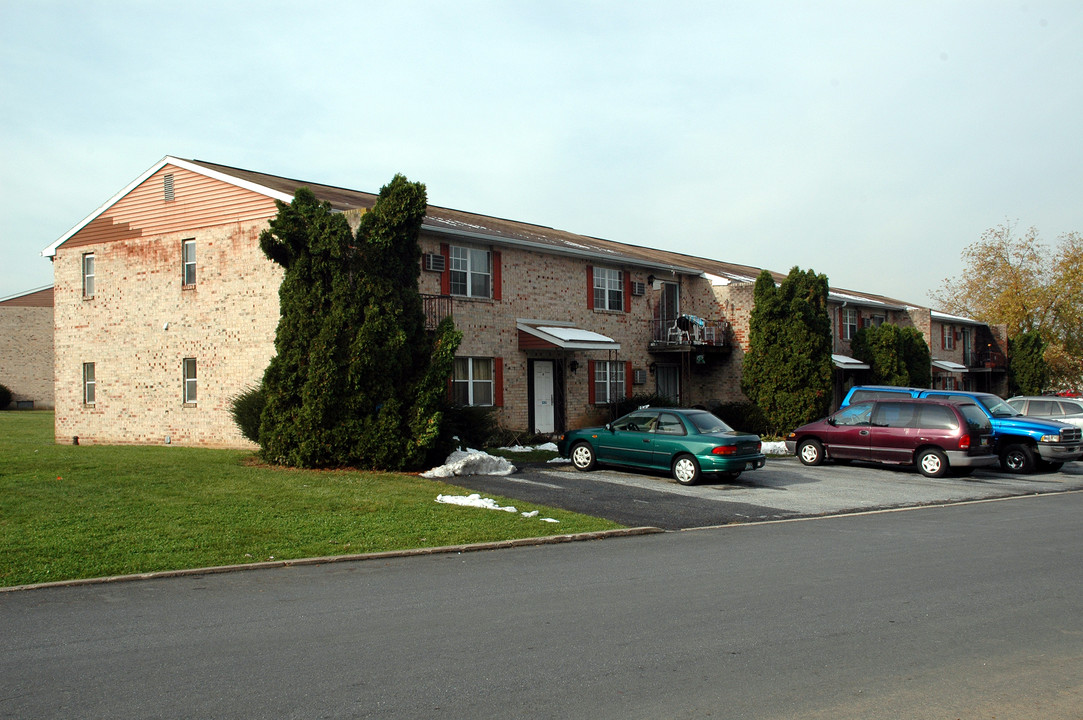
column 247, row 409
column 744, row 416
column 5, row 397
column 474, row 426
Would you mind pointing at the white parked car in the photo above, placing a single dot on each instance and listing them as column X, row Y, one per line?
column 1067, row 410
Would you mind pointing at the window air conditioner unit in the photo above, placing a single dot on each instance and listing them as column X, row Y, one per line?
column 434, row 262
column 639, row 288
column 639, row 377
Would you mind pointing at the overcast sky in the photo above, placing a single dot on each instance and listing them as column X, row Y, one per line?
column 870, row 141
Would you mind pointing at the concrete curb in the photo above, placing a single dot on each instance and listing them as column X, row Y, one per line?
column 443, row 550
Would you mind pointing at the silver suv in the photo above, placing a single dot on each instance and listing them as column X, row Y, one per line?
column 1050, row 406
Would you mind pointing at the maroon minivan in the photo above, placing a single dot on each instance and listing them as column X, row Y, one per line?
column 933, row 435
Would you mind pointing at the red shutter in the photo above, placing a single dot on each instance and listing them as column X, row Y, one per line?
column 498, row 382
column 627, row 291
column 590, row 382
column 496, row 275
column 842, row 327
column 590, row 289
column 445, row 277
column 629, row 379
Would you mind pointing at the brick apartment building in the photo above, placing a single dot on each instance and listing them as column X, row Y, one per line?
column 26, row 348
column 166, row 309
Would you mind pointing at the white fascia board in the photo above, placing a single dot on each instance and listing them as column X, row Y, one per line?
column 944, row 317
column 167, row 160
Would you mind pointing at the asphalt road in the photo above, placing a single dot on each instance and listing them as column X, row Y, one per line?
column 783, row 489
column 966, row 611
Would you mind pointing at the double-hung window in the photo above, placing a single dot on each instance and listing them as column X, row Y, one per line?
column 608, row 289
column 189, row 260
column 189, row 373
column 472, row 381
column 609, row 378
column 88, row 275
column 88, row 384
column 947, row 337
column 471, row 272
column 848, row 319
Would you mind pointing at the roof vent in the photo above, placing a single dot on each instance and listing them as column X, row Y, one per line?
column 167, row 186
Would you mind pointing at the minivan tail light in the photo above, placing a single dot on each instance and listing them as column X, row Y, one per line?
column 964, row 442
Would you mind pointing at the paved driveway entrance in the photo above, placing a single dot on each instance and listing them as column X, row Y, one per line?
column 782, row 489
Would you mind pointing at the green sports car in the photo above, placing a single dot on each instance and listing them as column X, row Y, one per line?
column 686, row 443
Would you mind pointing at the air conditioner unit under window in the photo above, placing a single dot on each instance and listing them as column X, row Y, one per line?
column 434, row 262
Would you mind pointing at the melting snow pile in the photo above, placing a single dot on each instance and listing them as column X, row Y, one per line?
column 776, row 447
column 528, row 448
column 470, row 462
column 476, row 500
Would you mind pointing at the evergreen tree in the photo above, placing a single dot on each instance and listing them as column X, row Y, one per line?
column 357, row 380
column 787, row 369
column 895, row 355
column 1027, row 369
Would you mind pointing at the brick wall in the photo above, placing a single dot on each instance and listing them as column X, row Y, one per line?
column 26, row 354
column 141, row 324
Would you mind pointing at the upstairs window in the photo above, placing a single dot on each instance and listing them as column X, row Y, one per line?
column 189, row 372
column 471, row 272
column 89, row 384
column 88, row 275
column 947, row 337
column 188, row 253
column 848, row 323
column 608, row 289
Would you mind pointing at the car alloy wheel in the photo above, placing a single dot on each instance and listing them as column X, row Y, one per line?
column 686, row 470
column 932, row 463
column 811, row 452
column 583, row 456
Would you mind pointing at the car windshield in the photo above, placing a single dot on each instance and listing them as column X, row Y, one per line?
column 996, row 406
column 707, row 423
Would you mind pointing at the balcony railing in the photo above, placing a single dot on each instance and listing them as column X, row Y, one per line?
column 689, row 331
column 436, row 308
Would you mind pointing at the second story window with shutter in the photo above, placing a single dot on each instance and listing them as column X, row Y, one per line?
column 608, row 289
column 471, row 272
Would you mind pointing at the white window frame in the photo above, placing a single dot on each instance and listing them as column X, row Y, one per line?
column 88, row 274
column 468, row 381
column 189, row 372
column 609, row 374
column 471, row 272
column 947, row 337
column 608, row 289
column 848, row 319
column 89, row 384
column 188, row 262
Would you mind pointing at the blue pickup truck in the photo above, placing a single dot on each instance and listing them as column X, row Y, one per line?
column 1024, row 443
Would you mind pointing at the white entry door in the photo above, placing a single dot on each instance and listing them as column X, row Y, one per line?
column 544, row 416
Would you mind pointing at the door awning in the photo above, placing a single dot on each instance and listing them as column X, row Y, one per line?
column 545, row 334
column 844, row 362
column 949, row 366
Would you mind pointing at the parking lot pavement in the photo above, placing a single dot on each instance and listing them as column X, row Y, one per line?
column 784, row 488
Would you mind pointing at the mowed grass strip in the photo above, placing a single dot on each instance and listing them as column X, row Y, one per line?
column 95, row 511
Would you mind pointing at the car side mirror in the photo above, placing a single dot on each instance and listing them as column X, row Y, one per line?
column 832, row 422
column 609, row 427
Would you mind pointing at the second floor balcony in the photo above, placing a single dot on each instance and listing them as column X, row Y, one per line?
column 689, row 332
column 436, row 308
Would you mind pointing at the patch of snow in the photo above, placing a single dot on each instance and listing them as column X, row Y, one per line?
column 470, row 462
column 528, row 448
column 478, row 501
column 774, row 447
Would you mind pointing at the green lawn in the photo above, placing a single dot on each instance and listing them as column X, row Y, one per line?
column 93, row 510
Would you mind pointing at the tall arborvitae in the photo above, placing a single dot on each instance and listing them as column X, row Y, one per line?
column 1027, row 369
column 787, row 369
column 357, row 379
column 302, row 386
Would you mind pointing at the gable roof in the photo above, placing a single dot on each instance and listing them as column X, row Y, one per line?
column 484, row 228
column 42, row 297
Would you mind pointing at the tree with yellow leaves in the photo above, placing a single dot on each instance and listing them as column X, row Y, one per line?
column 1022, row 282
